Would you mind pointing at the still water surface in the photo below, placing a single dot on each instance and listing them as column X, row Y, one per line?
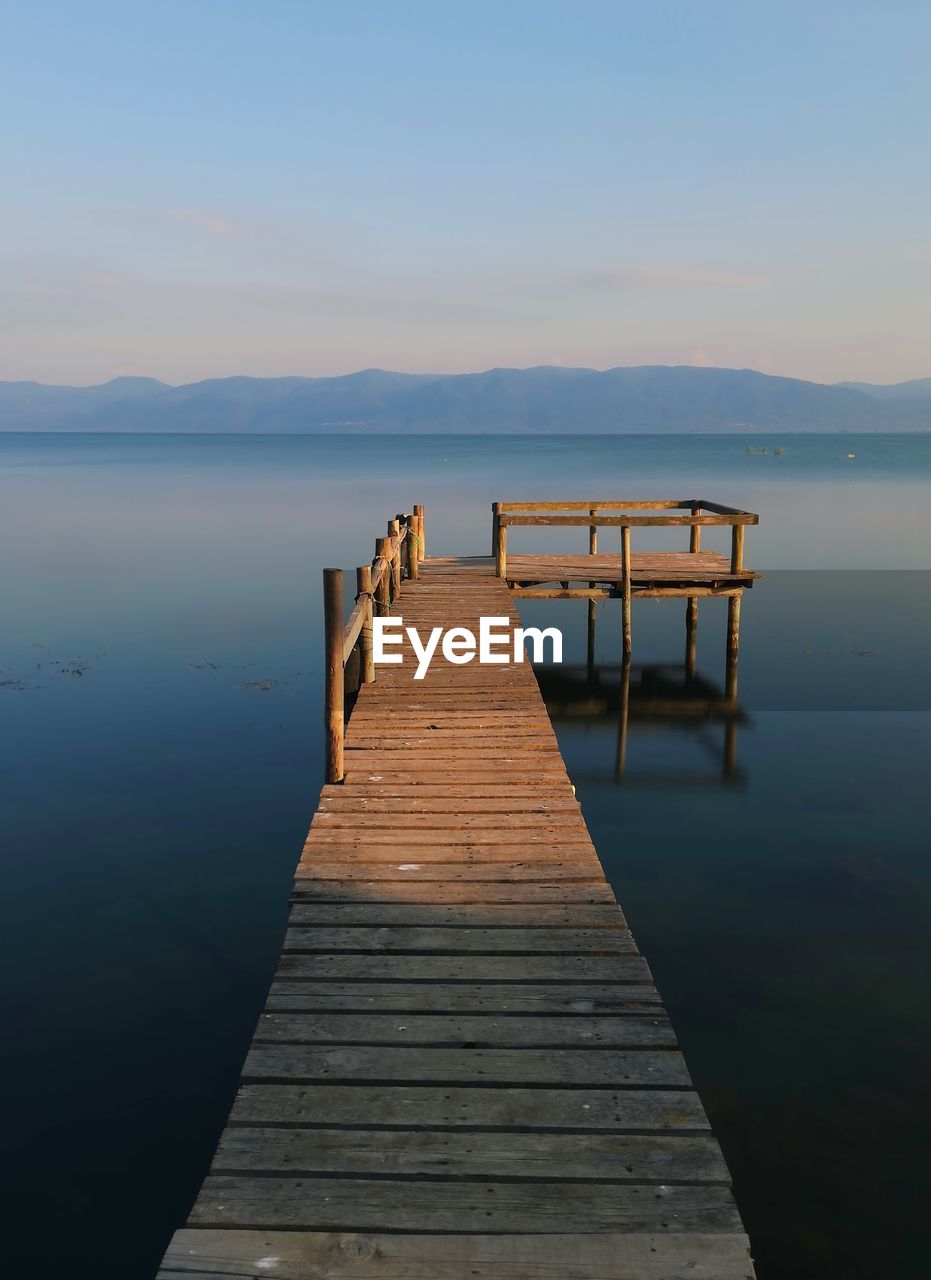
column 160, row 682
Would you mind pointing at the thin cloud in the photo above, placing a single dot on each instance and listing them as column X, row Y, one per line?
column 210, row 223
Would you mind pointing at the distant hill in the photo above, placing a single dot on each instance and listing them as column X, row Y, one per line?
column 647, row 398
column 917, row 389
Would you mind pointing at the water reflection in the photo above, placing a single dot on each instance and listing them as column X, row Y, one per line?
column 663, row 698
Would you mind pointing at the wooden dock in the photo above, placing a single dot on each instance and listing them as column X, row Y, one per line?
column 463, row 1069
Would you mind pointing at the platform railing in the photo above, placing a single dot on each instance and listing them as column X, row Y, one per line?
column 378, row 584
column 591, row 514
column 629, row 514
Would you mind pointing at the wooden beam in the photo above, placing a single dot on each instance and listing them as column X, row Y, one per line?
column 366, row 654
column 333, row 667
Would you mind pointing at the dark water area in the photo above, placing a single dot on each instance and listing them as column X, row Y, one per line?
column 160, row 688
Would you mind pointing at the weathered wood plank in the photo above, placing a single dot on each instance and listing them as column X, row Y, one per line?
column 391, row 938
column 290, row 1255
column 391, row 887
column 603, row 1157
column 488, row 916
column 462, row 997
column 321, row 867
column 454, row 1106
column 476, row 967
column 332, row 1203
column 592, row 1067
column 465, row 1032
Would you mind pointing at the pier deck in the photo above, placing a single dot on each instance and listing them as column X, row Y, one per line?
column 463, row 1068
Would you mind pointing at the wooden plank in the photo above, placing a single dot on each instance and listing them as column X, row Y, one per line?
column 453, row 866
column 392, row 938
column 475, row 967
column 383, row 1204
column 445, row 882
column 371, row 847
column 487, row 916
column 383, row 1106
column 365, row 820
column 577, row 999
column 606, row 1068
column 463, row 1031
column 602, row 1157
column 311, row 1255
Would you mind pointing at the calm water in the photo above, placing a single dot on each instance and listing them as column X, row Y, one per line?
column 160, row 683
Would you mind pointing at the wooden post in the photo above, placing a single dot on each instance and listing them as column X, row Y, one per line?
column 691, row 635
column 394, row 530
column 333, row 669
column 625, row 589
column 591, row 636
column 737, row 550
column 733, row 644
column 366, row 653
column 404, row 521
column 422, row 547
column 592, row 535
column 495, row 521
column 501, row 549
column 695, row 534
column 383, row 590
column 413, row 544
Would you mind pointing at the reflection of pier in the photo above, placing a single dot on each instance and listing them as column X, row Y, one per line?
column 668, row 697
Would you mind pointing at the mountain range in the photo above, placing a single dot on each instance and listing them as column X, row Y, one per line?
column 550, row 399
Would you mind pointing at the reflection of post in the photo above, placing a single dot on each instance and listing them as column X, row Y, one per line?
column 733, row 641
column 623, row 713
column 625, row 588
column 592, row 549
column 691, row 635
column 730, row 747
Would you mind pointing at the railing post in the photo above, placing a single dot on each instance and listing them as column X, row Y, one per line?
column 414, row 530
column 695, row 534
column 592, row 534
column 394, row 533
column 333, row 667
column 625, row 589
column 402, row 521
column 383, row 590
column 366, row 652
column 494, row 527
column 501, row 547
column 737, row 548
column 421, row 545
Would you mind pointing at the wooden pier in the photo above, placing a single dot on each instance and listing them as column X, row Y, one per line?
column 463, row 1069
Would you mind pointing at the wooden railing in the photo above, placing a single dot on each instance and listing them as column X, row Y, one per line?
column 590, row 513
column 397, row 557
column 558, row 514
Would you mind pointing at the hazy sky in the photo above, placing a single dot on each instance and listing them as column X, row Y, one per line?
column 215, row 187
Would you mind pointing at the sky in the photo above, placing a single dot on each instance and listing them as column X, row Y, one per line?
column 213, row 187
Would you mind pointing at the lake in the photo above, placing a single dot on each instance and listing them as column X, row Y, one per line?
column 161, row 687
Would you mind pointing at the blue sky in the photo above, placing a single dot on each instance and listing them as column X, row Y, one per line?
column 202, row 189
